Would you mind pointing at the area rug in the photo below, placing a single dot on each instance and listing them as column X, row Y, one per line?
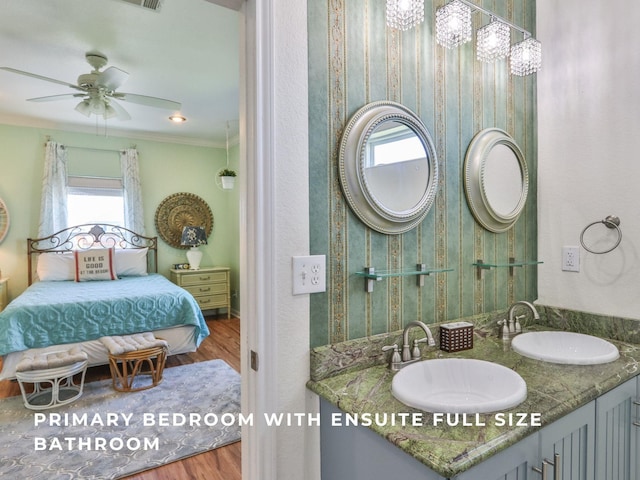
column 107, row 434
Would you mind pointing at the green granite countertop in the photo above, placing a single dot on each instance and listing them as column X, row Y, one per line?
column 351, row 377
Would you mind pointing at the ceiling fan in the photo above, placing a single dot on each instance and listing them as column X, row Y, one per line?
column 97, row 90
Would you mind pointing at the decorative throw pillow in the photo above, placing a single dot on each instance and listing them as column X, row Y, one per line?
column 131, row 262
column 55, row 267
column 95, row 264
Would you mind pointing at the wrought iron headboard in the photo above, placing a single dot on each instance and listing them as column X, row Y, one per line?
column 84, row 237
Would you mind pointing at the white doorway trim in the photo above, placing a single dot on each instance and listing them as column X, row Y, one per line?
column 256, row 240
column 274, row 228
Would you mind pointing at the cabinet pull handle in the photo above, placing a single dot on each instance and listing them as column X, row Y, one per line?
column 636, row 401
column 203, row 289
column 557, row 473
column 542, row 471
column 557, row 467
column 205, row 278
column 637, row 424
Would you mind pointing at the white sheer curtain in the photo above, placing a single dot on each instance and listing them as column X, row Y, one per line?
column 53, row 206
column 133, row 213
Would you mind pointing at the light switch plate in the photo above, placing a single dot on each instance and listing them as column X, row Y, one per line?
column 309, row 274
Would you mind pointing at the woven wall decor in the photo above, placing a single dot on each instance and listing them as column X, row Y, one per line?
column 181, row 210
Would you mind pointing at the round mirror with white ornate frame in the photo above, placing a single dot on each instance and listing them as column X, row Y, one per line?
column 388, row 167
column 4, row 220
column 496, row 179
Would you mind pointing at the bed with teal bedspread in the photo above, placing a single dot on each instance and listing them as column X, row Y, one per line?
column 53, row 313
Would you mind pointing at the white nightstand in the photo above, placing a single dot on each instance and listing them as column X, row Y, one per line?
column 209, row 286
column 4, row 292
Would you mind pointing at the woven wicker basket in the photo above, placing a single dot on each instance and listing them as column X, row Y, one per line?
column 456, row 336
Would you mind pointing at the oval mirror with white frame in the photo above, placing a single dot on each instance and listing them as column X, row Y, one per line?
column 388, row 167
column 496, row 179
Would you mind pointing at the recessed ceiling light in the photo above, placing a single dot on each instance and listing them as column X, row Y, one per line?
column 177, row 118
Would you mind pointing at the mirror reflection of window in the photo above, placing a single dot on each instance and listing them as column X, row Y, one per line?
column 393, row 144
column 397, row 172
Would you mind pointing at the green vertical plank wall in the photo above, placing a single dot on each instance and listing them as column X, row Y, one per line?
column 355, row 59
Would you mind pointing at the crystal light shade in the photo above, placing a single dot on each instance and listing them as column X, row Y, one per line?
column 453, row 24
column 404, row 14
column 526, row 57
column 493, row 41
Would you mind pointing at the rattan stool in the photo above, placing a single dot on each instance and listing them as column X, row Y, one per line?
column 55, row 385
column 137, row 368
column 129, row 366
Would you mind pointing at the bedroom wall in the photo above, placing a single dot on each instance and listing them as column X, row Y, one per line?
column 165, row 168
column 353, row 60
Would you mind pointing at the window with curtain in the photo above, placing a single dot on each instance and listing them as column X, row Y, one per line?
column 76, row 198
column 95, row 200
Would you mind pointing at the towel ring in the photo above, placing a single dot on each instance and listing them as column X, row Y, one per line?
column 610, row 222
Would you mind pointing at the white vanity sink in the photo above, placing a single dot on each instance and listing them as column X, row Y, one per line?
column 458, row 385
column 565, row 347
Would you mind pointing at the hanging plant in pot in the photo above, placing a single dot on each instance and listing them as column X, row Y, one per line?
column 228, row 178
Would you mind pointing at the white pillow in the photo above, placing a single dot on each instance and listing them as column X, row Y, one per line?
column 131, row 262
column 94, row 264
column 53, row 267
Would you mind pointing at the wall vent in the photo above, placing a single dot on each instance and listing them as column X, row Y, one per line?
column 149, row 4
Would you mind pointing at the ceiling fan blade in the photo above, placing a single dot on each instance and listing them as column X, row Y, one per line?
column 112, row 78
column 40, row 77
column 52, row 98
column 120, row 112
column 148, row 101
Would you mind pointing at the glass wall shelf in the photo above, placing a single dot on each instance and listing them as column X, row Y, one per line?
column 480, row 265
column 370, row 274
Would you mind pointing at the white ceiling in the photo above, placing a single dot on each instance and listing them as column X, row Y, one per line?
column 188, row 51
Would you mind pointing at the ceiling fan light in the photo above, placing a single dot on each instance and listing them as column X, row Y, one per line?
column 84, row 108
column 97, row 106
column 109, row 112
column 177, row 119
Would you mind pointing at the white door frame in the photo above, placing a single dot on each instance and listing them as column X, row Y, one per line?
column 274, row 223
column 256, row 239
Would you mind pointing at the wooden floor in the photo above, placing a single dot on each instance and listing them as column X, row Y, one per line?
column 220, row 464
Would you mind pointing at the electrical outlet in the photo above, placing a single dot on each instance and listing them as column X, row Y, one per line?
column 309, row 274
column 571, row 259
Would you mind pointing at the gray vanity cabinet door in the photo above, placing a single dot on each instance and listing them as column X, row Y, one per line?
column 514, row 463
column 617, row 440
column 572, row 439
column 358, row 453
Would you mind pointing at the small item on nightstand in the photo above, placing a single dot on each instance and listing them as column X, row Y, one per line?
column 456, row 336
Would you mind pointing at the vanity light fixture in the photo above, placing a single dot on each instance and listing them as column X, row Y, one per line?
column 177, row 118
column 493, row 41
column 453, row 28
column 453, row 24
column 404, row 14
column 526, row 57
